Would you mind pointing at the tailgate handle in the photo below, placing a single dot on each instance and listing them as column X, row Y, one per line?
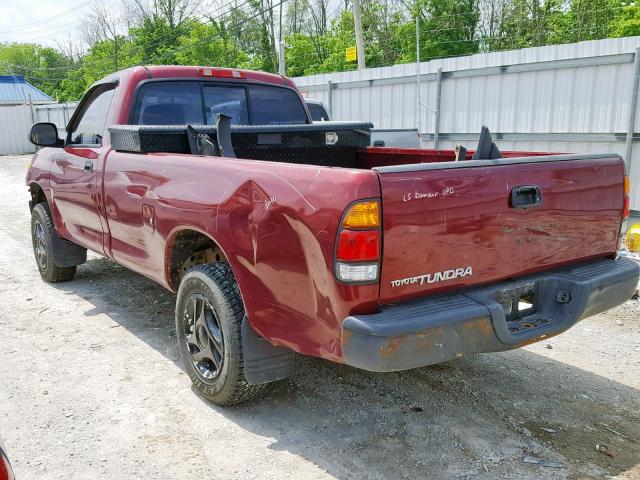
column 526, row 196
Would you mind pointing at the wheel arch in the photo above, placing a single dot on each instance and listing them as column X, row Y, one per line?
column 187, row 246
column 37, row 194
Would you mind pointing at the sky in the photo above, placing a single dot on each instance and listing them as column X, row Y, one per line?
column 42, row 21
column 53, row 22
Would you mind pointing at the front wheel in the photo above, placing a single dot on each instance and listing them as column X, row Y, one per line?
column 209, row 314
column 41, row 237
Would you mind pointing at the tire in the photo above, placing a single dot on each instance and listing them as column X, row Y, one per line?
column 209, row 315
column 41, row 237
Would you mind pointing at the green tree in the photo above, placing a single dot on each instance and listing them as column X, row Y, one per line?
column 96, row 64
column 301, row 56
column 627, row 22
column 447, row 28
column 155, row 41
column 210, row 44
column 43, row 67
column 325, row 52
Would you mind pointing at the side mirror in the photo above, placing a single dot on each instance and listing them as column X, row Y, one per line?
column 45, row 135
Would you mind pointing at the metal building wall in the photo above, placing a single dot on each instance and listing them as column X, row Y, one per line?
column 560, row 98
column 58, row 113
column 15, row 122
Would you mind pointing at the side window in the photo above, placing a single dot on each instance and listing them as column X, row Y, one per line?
column 93, row 120
column 231, row 101
column 169, row 103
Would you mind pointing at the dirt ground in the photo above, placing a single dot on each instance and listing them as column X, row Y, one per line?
column 91, row 387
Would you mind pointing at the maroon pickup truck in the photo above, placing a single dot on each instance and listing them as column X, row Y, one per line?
column 280, row 235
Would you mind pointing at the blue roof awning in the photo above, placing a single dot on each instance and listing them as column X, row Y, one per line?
column 15, row 89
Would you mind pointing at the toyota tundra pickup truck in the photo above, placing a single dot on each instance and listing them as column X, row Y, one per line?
column 280, row 235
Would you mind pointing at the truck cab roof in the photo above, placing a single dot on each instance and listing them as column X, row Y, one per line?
column 183, row 71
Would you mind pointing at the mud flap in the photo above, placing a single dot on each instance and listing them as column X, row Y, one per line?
column 66, row 253
column 264, row 363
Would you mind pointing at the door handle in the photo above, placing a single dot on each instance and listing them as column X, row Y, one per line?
column 526, row 196
column 88, row 166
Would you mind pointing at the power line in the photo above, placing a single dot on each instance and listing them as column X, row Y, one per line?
column 46, row 19
column 207, row 38
column 55, row 30
column 48, row 33
column 171, row 35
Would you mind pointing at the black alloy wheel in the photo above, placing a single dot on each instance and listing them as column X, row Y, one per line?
column 204, row 338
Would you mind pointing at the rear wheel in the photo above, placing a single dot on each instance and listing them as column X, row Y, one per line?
column 41, row 237
column 209, row 314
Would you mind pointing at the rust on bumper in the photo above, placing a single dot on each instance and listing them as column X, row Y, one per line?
column 439, row 328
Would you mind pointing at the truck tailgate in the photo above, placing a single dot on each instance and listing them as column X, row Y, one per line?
column 455, row 224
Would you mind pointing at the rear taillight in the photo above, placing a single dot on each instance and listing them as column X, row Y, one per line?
column 362, row 215
column 626, row 209
column 357, row 258
column 358, row 245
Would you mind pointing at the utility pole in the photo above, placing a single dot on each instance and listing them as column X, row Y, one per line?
column 633, row 106
column 115, row 40
column 282, row 69
column 418, row 100
column 357, row 20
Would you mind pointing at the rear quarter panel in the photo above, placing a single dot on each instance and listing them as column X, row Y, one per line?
column 276, row 224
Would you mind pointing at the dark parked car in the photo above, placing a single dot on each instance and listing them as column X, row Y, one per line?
column 317, row 110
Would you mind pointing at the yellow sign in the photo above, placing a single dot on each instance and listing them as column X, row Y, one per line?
column 350, row 54
column 633, row 238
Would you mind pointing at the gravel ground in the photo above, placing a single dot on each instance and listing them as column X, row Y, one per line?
column 91, row 387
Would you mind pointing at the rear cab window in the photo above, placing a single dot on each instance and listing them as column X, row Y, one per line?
column 172, row 102
column 169, row 103
column 275, row 106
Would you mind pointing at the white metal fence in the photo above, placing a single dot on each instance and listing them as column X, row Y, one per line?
column 58, row 113
column 15, row 122
column 560, row 98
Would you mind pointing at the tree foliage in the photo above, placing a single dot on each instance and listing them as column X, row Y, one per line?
column 43, row 66
column 247, row 34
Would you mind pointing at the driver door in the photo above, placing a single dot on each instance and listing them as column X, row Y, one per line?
column 75, row 172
